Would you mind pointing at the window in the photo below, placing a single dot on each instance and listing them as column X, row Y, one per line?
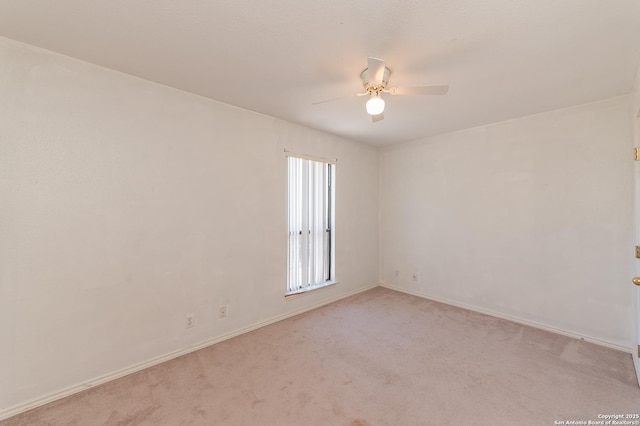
column 311, row 243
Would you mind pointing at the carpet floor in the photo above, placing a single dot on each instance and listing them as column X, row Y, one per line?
column 377, row 358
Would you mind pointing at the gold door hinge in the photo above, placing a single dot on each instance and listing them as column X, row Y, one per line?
column 638, row 252
column 638, row 351
column 636, row 154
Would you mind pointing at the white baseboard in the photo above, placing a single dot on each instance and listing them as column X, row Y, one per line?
column 15, row 410
column 514, row 319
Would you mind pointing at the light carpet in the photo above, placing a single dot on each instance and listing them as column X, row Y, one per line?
column 378, row 358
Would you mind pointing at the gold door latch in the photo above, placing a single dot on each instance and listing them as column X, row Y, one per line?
column 636, row 280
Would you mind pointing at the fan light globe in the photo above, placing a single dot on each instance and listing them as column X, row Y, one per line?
column 375, row 105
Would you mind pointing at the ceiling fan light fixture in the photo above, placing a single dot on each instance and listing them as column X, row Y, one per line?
column 375, row 105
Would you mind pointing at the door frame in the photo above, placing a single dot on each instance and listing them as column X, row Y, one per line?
column 636, row 237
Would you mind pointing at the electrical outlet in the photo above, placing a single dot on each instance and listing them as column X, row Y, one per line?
column 190, row 321
column 222, row 313
column 414, row 277
column 397, row 273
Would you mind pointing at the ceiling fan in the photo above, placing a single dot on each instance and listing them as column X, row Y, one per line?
column 375, row 79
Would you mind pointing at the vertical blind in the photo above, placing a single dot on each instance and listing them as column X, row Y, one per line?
column 310, row 223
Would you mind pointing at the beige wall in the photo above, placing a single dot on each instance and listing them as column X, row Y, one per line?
column 528, row 219
column 126, row 205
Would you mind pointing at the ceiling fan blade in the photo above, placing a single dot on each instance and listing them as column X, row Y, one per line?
column 375, row 68
column 339, row 98
column 419, row 90
column 376, row 118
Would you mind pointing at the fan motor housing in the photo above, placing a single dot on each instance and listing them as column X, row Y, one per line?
column 364, row 76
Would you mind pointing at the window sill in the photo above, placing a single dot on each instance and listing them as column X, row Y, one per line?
column 293, row 294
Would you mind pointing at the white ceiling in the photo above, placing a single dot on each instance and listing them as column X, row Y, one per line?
column 502, row 58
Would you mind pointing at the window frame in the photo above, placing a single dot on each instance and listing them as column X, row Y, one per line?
column 305, row 214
